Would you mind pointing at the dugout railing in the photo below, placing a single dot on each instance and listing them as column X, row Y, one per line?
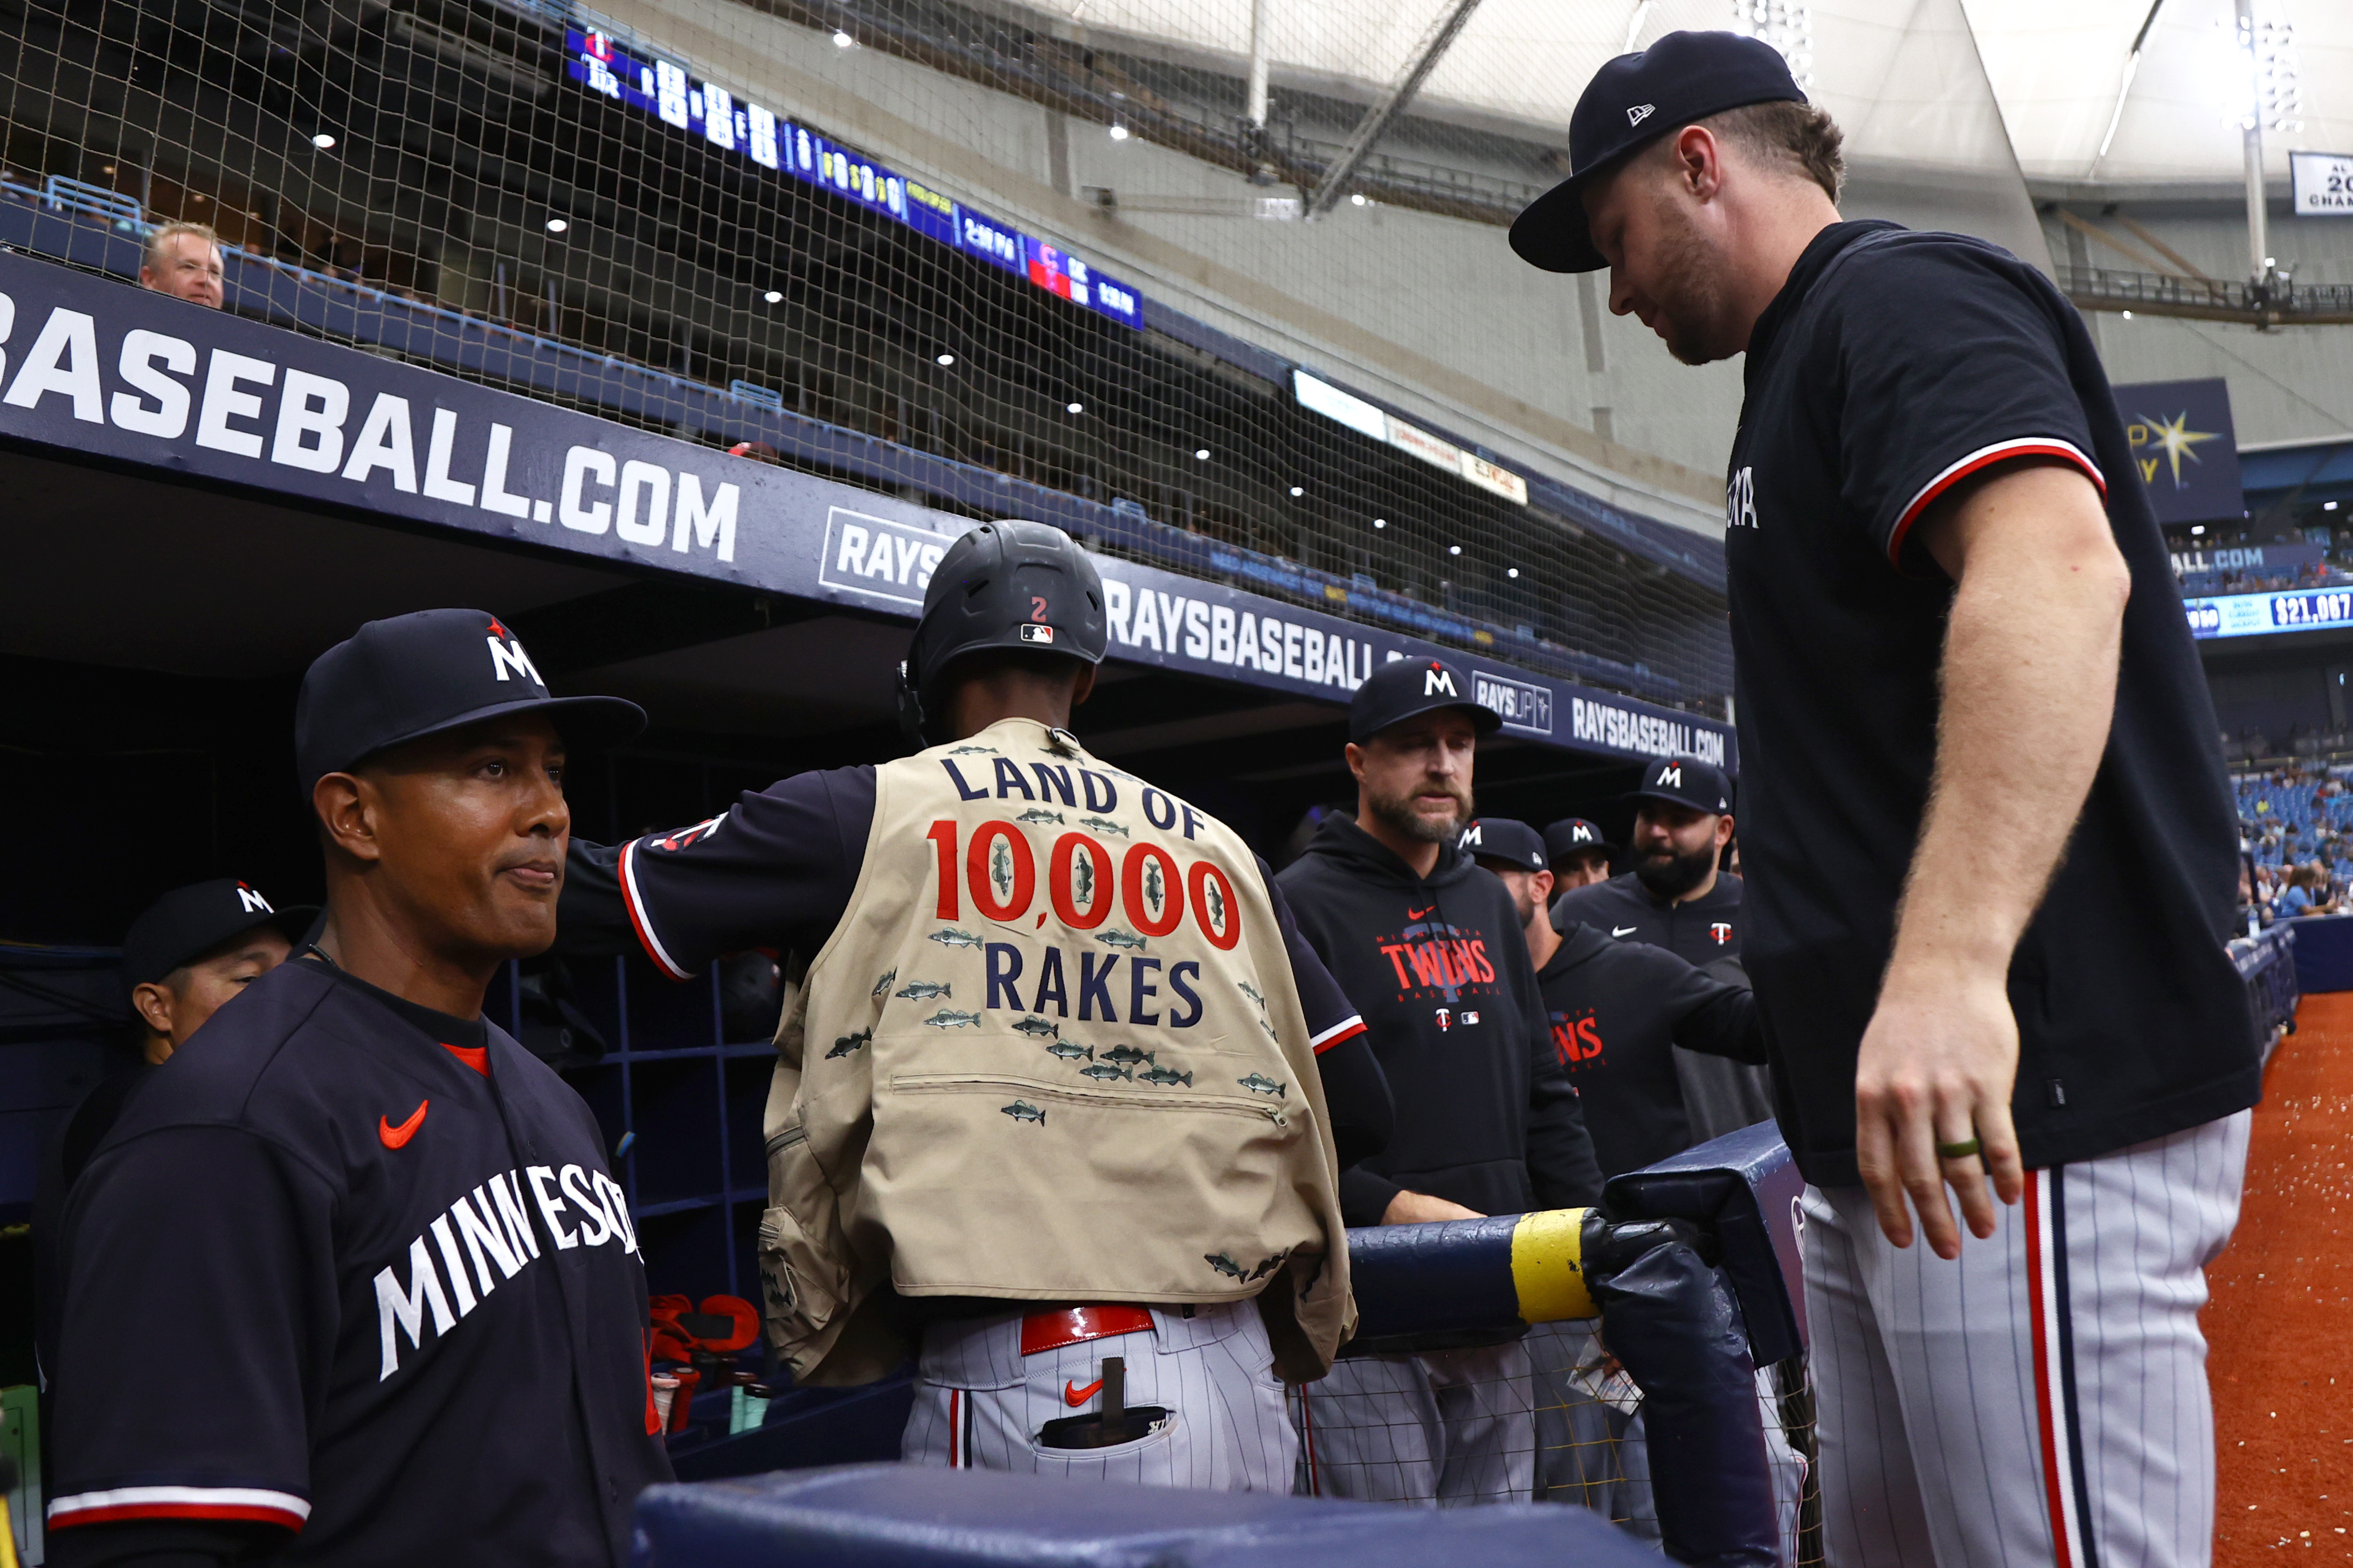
column 1663, row 1390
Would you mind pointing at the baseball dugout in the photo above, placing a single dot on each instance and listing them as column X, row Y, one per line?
column 1645, row 1363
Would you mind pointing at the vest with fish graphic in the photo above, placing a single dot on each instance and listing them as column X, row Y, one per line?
column 1053, row 1052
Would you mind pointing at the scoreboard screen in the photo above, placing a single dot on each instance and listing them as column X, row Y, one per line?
column 663, row 88
column 2256, row 615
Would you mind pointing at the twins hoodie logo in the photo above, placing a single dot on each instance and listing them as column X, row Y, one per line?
column 1429, row 955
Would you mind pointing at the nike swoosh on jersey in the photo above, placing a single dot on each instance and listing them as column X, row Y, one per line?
column 398, row 1137
column 1074, row 1396
column 1416, row 914
column 1623, row 930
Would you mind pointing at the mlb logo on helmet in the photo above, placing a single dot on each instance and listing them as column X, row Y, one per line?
column 1034, row 631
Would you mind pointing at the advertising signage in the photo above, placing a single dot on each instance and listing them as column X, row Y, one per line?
column 2185, row 452
column 97, row 371
column 663, row 88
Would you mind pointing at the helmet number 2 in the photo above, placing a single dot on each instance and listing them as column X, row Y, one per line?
column 1037, row 607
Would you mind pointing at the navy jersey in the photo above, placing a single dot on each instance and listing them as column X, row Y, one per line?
column 776, row 871
column 1619, row 1010
column 344, row 1274
column 1698, row 930
column 1892, row 366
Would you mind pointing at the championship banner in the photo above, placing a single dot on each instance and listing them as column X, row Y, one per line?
column 95, row 370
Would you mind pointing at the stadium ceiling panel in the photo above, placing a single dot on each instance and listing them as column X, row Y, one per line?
column 1983, row 84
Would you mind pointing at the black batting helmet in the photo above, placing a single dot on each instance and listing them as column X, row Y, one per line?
column 1009, row 584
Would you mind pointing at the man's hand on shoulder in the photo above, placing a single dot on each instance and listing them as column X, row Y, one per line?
column 1420, row 1208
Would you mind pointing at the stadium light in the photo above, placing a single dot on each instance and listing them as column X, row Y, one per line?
column 2197, row 530
column 557, row 225
column 1380, row 522
column 944, row 360
column 2127, row 315
column 1202, row 453
column 1454, row 550
column 1511, row 571
column 774, row 296
column 1118, row 131
column 1074, row 408
column 842, row 40
column 325, row 140
column 1299, row 489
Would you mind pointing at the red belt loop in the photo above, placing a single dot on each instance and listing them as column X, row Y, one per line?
column 1076, row 1325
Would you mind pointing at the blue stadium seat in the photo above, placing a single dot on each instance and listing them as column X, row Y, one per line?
column 899, row 1516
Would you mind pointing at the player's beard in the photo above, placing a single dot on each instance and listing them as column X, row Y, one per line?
column 1398, row 812
column 1689, row 291
column 1669, row 873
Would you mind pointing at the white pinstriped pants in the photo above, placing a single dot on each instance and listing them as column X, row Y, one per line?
column 2042, row 1401
column 1443, row 1429
column 980, row 1402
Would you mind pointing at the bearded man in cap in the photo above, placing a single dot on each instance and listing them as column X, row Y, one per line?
column 1428, row 946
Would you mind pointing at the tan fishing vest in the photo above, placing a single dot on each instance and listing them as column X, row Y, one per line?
column 1053, row 1052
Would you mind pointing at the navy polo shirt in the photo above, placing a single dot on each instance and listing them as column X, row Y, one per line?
column 348, row 1274
column 1892, row 366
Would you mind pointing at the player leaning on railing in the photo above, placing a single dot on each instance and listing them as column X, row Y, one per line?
column 1060, row 1103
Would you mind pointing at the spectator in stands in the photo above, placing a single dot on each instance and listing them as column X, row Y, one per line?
column 2306, row 893
column 184, row 261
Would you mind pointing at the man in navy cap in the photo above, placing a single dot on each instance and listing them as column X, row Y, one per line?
column 373, row 1240
column 1578, row 852
column 1427, row 947
column 1990, row 839
column 1675, row 897
column 187, row 955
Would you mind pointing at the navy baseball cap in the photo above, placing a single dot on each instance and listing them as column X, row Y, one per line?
column 1687, row 780
column 1574, row 836
column 1501, row 838
column 408, row 677
column 188, row 922
column 1633, row 101
column 1405, row 687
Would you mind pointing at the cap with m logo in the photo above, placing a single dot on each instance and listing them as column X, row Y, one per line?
column 1406, row 687
column 406, row 677
column 1691, row 782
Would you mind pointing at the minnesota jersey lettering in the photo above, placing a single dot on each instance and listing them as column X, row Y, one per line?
column 490, row 1228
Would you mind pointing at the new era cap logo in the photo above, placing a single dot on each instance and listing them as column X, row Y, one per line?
column 1436, row 681
column 1639, row 112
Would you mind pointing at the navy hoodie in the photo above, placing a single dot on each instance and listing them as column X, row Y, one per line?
column 1439, row 970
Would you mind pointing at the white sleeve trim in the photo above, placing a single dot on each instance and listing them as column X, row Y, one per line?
column 1352, row 1021
column 2019, row 446
column 160, row 1498
column 640, row 919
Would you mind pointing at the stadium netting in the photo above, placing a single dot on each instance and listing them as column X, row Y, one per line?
column 783, row 222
